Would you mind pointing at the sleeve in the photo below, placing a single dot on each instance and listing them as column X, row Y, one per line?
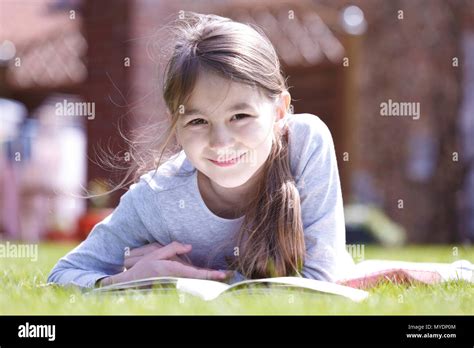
column 102, row 253
column 322, row 206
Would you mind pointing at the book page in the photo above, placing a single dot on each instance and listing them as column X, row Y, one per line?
column 140, row 283
column 205, row 289
column 311, row 284
column 209, row 290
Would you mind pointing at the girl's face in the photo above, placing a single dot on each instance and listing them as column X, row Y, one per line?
column 224, row 120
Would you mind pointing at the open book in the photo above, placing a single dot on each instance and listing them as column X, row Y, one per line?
column 209, row 289
column 363, row 276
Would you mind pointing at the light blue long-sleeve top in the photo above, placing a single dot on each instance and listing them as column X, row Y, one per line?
column 163, row 207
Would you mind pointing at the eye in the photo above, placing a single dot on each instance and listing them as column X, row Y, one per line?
column 196, row 122
column 193, row 122
column 242, row 115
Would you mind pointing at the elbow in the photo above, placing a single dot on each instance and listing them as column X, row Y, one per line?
column 55, row 276
column 66, row 274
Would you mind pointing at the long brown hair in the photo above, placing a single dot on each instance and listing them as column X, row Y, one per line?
column 271, row 239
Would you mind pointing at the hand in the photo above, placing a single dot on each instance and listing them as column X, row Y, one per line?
column 160, row 263
column 138, row 253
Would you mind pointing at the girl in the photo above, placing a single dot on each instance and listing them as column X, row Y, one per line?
column 254, row 191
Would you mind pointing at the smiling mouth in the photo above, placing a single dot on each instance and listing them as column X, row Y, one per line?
column 228, row 162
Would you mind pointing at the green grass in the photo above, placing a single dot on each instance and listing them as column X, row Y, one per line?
column 21, row 295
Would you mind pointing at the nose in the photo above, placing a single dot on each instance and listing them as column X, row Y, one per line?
column 220, row 138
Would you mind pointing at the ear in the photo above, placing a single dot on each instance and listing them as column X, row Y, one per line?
column 283, row 103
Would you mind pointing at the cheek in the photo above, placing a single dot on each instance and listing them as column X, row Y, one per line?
column 191, row 144
column 259, row 138
column 259, row 142
column 256, row 135
column 189, row 139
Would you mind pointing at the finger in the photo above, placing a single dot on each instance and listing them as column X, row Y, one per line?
column 179, row 259
column 131, row 261
column 143, row 250
column 186, row 258
column 169, row 251
column 184, row 261
column 180, row 270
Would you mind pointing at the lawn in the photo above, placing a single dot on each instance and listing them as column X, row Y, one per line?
column 21, row 295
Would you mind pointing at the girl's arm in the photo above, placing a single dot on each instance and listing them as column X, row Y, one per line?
column 102, row 253
column 321, row 204
column 162, row 262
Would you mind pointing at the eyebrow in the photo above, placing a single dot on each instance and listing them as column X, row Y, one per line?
column 235, row 107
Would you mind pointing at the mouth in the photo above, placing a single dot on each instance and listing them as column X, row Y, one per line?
column 228, row 162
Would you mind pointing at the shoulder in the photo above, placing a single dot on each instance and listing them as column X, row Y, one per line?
column 308, row 131
column 309, row 139
column 158, row 188
column 170, row 175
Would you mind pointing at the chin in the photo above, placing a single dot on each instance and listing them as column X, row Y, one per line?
column 230, row 182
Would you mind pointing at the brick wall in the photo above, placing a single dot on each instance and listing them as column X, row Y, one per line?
column 107, row 30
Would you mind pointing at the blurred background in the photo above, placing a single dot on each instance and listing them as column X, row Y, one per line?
column 72, row 71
